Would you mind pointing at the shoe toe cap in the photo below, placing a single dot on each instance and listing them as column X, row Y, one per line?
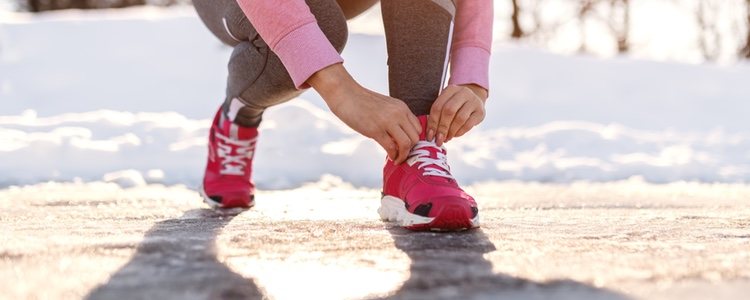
column 433, row 206
column 232, row 200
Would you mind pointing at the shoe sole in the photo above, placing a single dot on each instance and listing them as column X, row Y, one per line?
column 451, row 217
column 216, row 205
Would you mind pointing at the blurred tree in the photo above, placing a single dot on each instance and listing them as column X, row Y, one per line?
column 612, row 14
column 619, row 25
column 585, row 8
column 543, row 21
column 745, row 51
column 544, row 25
column 44, row 5
column 517, row 30
column 709, row 38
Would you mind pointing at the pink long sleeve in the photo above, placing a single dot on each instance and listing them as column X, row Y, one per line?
column 291, row 31
column 472, row 42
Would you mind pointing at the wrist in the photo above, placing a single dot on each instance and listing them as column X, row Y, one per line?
column 481, row 92
column 331, row 81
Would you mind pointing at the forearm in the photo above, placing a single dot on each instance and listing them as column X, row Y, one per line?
column 331, row 82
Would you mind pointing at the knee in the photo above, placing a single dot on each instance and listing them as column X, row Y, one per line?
column 337, row 33
column 331, row 20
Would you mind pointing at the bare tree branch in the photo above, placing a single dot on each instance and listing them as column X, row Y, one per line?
column 745, row 51
column 517, row 30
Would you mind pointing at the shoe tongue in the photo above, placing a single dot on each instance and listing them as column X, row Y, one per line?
column 433, row 150
column 423, row 136
column 434, row 155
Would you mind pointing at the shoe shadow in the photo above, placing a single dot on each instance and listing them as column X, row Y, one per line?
column 453, row 266
column 177, row 260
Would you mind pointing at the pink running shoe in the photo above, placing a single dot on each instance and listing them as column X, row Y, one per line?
column 421, row 193
column 227, row 183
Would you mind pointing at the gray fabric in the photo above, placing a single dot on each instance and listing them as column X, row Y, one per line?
column 417, row 32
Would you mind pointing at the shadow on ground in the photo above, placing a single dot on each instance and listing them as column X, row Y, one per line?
column 177, row 260
column 453, row 266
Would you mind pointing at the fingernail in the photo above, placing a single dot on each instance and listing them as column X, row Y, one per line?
column 430, row 134
column 440, row 138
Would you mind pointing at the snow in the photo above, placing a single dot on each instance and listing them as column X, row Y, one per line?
column 126, row 97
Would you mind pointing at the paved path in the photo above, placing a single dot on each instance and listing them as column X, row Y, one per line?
column 625, row 240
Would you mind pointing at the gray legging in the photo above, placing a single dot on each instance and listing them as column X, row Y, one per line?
column 417, row 37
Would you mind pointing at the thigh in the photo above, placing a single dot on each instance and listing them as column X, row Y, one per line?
column 225, row 20
column 353, row 8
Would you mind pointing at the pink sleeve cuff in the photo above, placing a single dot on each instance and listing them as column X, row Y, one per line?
column 305, row 51
column 470, row 65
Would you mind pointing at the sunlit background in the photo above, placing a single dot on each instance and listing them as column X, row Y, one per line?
column 680, row 30
column 594, row 90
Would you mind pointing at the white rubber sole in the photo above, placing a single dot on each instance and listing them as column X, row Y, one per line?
column 213, row 204
column 392, row 209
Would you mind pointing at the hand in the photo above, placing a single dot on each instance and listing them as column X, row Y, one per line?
column 386, row 120
column 456, row 111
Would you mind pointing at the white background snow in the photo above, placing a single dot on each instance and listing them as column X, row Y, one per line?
column 127, row 97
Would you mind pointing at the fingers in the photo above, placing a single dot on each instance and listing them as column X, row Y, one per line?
column 388, row 145
column 403, row 143
column 470, row 115
column 459, row 119
column 412, row 133
column 410, row 124
column 451, row 113
column 473, row 120
column 436, row 109
column 398, row 135
column 415, row 123
column 447, row 115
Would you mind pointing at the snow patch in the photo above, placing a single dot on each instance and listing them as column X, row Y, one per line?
column 299, row 142
column 125, row 178
column 551, row 118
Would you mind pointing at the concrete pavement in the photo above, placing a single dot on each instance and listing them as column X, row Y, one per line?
column 624, row 240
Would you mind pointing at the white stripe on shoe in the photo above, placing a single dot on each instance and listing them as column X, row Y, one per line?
column 234, row 131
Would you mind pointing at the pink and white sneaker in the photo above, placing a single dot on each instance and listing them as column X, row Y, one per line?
column 227, row 183
column 421, row 193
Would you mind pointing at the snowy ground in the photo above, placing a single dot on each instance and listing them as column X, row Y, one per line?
column 645, row 168
column 618, row 240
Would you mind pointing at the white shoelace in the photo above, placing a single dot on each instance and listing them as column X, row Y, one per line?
column 234, row 154
column 421, row 155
